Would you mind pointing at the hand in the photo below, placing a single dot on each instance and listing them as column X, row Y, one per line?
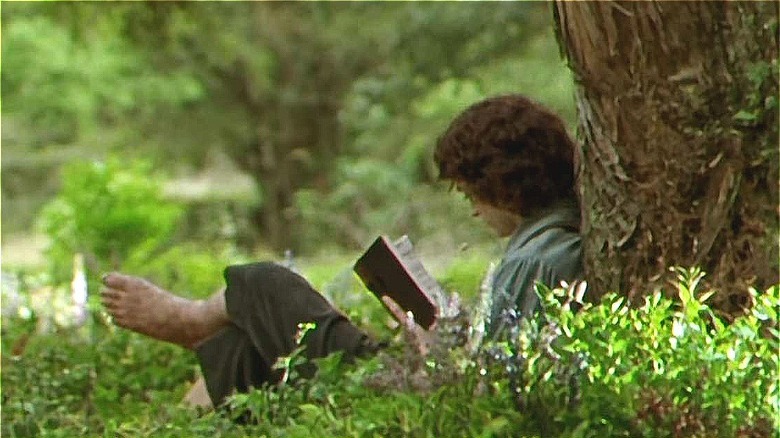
column 421, row 338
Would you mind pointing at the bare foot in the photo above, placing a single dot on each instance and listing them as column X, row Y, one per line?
column 143, row 307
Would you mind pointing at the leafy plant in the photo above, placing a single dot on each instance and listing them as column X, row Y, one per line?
column 667, row 368
column 109, row 211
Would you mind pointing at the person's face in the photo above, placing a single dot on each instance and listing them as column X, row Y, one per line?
column 503, row 222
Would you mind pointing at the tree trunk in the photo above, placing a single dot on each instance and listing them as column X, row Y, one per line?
column 678, row 161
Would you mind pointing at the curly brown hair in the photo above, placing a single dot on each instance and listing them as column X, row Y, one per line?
column 510, row 152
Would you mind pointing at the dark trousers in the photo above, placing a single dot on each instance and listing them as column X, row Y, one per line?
column 266, row 302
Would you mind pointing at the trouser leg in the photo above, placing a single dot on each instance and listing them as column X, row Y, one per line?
column 266, row 303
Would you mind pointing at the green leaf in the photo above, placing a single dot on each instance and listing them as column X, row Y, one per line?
column 745, row 116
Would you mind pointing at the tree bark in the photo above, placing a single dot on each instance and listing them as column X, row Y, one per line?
column 677, row 105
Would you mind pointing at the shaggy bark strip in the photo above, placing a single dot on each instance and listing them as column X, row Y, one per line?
column 678, row 128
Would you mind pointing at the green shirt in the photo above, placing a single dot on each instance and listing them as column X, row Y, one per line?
column 546, row 248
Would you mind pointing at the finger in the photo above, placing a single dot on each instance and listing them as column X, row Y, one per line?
column 395, row 309
column 415, row 333
column 406, row 318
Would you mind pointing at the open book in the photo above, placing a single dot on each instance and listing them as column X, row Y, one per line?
column 392, row 269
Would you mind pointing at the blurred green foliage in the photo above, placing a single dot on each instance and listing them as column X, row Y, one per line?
column 331, row 108
column 109, row 211
column 66, row 385
column 465, row 275
column 114, row 214
column 190, row 269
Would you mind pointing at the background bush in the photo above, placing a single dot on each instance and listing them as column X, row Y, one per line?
column 109, row 211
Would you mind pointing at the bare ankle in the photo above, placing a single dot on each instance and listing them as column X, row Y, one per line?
column 206, row 318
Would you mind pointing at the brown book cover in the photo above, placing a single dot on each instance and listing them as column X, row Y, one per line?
column 392, row 269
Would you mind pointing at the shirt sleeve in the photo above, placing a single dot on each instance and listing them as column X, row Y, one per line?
column 513, row 288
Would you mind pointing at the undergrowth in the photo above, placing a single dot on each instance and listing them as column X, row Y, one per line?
column 667, row 368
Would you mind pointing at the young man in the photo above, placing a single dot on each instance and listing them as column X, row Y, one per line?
column 510, row 156
column 515, row 161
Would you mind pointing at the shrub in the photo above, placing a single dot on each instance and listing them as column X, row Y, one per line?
column 665, row 369
column 65, row 385
column 108, row 211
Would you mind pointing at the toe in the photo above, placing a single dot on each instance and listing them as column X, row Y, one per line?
column 110, row 293
column 119, row 321
column 109, row 278
column 119, row 281
column 117, row 312
column 109, row 303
